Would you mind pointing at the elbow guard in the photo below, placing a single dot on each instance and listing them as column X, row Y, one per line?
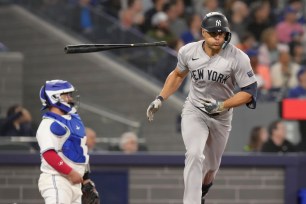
column 251, row 89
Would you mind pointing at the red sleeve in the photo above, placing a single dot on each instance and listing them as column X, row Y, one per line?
column 56, row 162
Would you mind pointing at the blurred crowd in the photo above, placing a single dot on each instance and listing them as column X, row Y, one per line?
column 273, row 139
column 18, row 123
column 270, row 32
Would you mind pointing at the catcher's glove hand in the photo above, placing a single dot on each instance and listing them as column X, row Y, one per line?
column 90, row 194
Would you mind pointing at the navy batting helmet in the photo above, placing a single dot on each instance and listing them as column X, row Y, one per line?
column 217, row 22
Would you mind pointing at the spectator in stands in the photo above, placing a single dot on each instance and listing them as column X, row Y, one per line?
column 18, row 122
column 161, row 30
column 298, row 6
column 260, row 18
column 277, row 141
column 227, row 7
column 300, row 90
column 297, row 53
column 248, row 41
column 158, row 7
column 169, row 9
column 178, row 24
column 132, row 16
column 273, row 4
column 204, row 7
column 86, row 18
column 287, row 28
column 129, row 144
column 269, row 47
column 238, row 14
column 262, row 72
column 194, row 29
column 258, row 136
column 91, row 137
column 284, row 72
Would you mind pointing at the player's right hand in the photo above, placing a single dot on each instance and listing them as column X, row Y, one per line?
column 74, row 177
column 213, row 106
column 153, row 108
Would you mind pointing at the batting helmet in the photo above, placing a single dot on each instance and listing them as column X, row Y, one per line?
column 50, row 95
column 217, row 22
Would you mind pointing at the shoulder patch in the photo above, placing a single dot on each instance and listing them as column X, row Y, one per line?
column 250, row 73
column 58, row 129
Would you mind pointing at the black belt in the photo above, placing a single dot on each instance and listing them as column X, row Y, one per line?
column 209, row 114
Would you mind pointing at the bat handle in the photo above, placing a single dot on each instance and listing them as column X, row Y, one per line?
column 71, row 49
column 161, row 43
column 68, row 49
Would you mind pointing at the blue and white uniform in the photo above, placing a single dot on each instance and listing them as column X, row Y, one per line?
column 66, row 135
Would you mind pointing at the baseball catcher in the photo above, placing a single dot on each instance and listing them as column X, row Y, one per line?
column 64, row 154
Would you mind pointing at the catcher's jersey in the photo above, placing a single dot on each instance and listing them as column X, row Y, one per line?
column 214, row 77
column 66, row 135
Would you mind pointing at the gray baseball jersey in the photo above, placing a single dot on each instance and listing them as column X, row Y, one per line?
column 205, row 136
column 214, row 77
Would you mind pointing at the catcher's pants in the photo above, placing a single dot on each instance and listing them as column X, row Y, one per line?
column 205, row 139
column 56, row 189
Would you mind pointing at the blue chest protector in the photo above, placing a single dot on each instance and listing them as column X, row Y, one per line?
column 72, row 147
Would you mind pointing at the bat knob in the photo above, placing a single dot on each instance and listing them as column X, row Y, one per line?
column 66, row 49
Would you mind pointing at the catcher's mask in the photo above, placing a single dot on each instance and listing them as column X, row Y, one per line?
column 217, row 22
column 50, row 95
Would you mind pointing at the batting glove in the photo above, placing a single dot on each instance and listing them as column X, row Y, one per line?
column 154, row 107
column 213, row 106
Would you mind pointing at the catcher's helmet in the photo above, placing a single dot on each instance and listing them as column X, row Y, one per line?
column 217, row 22
column 50, row 95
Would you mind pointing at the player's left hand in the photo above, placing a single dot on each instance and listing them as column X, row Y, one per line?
column 213, row 106
column 90, row 194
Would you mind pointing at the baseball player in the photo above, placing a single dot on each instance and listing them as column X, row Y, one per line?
column 216, row 68
column 62, row 141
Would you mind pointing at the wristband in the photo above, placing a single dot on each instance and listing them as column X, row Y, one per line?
column 160, row 98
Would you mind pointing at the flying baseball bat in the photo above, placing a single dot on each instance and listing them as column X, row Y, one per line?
column 87, row 48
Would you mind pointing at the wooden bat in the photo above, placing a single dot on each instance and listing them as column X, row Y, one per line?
column 87, row 48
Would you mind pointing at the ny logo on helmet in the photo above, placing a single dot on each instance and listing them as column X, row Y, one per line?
column 218, row 22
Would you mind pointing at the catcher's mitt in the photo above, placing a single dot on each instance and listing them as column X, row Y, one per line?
column 90, row 194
